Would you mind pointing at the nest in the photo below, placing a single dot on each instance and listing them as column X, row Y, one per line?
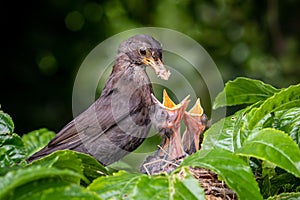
column 173, row 150
column 214, row 188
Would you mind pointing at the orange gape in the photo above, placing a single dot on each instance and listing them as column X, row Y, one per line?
column 167, row 118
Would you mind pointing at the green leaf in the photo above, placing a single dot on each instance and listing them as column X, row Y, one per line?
column 187, row 188
column 26, row 179
column 62, row 159
column 268, row 171
column 280, row 183
column 274, row 146
column 265, row 186
column 36, row 140
column 289, row 122
column 229, row 133
column 115, row 186
column 123, row 185
column 286, row 196
column 92, row 169
column 285, row 99
column 6, row 123
column 78, row 162
column 231, row 168
column 243, row 91
column 220, row 135
column 240, row 129
column 57, row 191
column 12, row 150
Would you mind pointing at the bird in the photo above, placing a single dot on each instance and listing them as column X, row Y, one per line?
column 166, row 120
column 169, row 128
column 196, row 122
column 123, row 110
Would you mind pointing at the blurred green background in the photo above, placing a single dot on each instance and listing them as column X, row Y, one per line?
column 46, row 41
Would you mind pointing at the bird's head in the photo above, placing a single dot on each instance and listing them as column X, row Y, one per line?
column 167, row 115
column 145, row 50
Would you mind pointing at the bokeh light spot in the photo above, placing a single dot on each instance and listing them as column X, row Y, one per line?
column 240, row 52
column 74, row 21
column 48, row 64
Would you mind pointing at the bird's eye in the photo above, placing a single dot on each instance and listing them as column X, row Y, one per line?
column 143, row 51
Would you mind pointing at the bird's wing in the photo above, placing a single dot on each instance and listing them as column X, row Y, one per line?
column 93, row 127
column 83, row 129
column 111, row 116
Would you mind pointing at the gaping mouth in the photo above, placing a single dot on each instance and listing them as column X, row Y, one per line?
column 158, row 67
column 175, row 111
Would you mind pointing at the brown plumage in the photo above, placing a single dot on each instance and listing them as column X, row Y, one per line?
column 118, row 122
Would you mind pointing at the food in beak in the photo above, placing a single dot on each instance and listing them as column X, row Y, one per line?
column 158, row 67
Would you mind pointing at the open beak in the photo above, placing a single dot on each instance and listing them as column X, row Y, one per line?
column 158, row 67
column 170, row 128
column 174, row 111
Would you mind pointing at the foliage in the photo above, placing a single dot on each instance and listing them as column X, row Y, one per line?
column 259, row 39
column 135, row 186
column 255, row 151
column 266, row 132
column 243, row 91
column 37, row 139
column 230, row 168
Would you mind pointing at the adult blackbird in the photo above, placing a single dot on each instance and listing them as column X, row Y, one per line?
column 118, row 122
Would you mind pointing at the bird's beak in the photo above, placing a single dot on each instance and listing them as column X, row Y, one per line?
column 175, row 111
column 172, row 143
column 158, row 67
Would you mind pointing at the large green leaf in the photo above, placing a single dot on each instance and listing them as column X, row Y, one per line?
column 123, row 185
column 63, row 159
column 243, row 91
column 231, row 168
column 72, row 160
column 115, row 186
column 34, row 178
column 12, row 150
column 6, row 123
column 274, row 146
column 285, row 99
column 57, row 191
column 36, row 140
column 229, row 133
